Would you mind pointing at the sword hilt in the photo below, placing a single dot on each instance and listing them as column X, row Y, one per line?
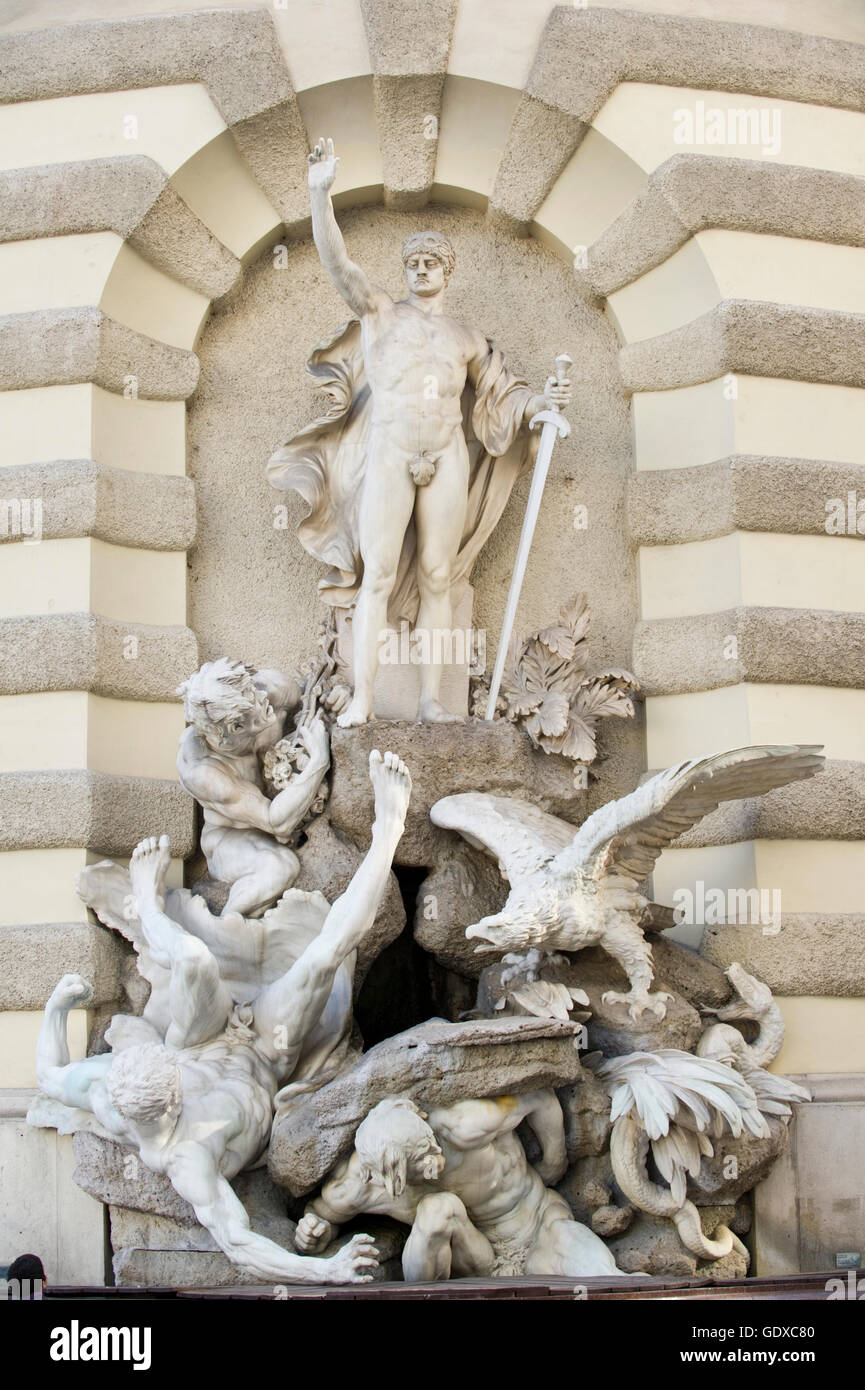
column 563, row 362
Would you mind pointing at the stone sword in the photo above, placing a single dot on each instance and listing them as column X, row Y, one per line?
column 555, row 426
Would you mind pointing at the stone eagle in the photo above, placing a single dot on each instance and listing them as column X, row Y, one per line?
column 572, row 890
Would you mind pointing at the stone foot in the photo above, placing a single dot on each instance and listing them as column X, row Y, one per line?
column 354, row 714
column 147, row 869
column 431, row 712
column 392, row 786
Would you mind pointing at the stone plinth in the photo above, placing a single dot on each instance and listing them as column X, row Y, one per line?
column 444, row 759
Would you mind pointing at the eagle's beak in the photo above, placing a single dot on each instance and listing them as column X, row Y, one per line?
column 487, row 930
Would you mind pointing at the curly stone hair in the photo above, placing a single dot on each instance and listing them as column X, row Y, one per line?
column 216, row 691
column 394, row 1132
column 431, row 244
column 144, row 1081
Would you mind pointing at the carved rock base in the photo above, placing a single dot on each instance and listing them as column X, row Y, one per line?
column 444, row 759
column 435, row 1062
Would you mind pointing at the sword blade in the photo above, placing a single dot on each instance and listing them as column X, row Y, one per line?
column 549, row 435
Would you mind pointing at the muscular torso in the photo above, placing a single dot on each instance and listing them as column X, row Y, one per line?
column 416, row 365
column 228, row 1091
column 494, row 1182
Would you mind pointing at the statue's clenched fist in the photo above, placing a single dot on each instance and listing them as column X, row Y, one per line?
column 72, row 992
column 322, row 165
column 313, row 1234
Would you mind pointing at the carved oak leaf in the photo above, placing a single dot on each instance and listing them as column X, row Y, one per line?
column 547, row 686
column 567, row 677
column 540, row 666
column 519, row 700
column 577, row 615
column 578, row 741
column 521, row 696
column 598, row 699
column 625, row 680
column 593, row 701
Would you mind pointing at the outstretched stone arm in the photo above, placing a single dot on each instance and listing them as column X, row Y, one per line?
column 344, row 1195
column 72, row 1083
column 196, row 1177
column 356, row 289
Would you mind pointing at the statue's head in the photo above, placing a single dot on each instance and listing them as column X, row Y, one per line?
column 396, row 1145
column 429, row 260
column 225, row 705
column 144, row 1083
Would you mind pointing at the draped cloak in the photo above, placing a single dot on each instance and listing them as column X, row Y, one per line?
column 326, row 463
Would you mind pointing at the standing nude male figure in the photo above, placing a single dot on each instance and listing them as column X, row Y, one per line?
column 417, row 361
column 200, row 1107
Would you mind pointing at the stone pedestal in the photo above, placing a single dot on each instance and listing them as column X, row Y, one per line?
column 44, row 1211
column 444, row 759
column 811, row 1206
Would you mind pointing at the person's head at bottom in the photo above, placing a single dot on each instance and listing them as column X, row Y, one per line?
column 29, row 1268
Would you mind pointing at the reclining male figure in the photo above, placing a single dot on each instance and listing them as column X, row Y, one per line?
column 200, row 1107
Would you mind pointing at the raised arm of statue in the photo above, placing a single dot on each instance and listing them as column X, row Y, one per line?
column 77, row 1084
column 357, row 290
column 545, row 1118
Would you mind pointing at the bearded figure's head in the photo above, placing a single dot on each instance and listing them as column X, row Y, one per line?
column 225, row 705
column 396, row 1146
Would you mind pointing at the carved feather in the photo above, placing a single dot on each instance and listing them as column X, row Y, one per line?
column 522, row 838
column 625, row 837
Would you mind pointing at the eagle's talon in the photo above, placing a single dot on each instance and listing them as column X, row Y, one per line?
column 638, row 1003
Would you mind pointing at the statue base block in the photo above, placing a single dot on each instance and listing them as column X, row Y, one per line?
column 443, row 759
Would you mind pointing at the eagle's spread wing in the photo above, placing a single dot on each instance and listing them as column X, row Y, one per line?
column 673, row 1087
column 517, row 834
column 624, row 838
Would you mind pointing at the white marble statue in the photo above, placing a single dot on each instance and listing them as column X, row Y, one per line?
column 569, row 890
column 460, row 1178
column 671, row 1102
column 197, row 1103
column 723, row 1042
column 404, row 477
column 236, row 716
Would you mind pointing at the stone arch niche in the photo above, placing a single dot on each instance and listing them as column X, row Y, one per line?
column 252, row 587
